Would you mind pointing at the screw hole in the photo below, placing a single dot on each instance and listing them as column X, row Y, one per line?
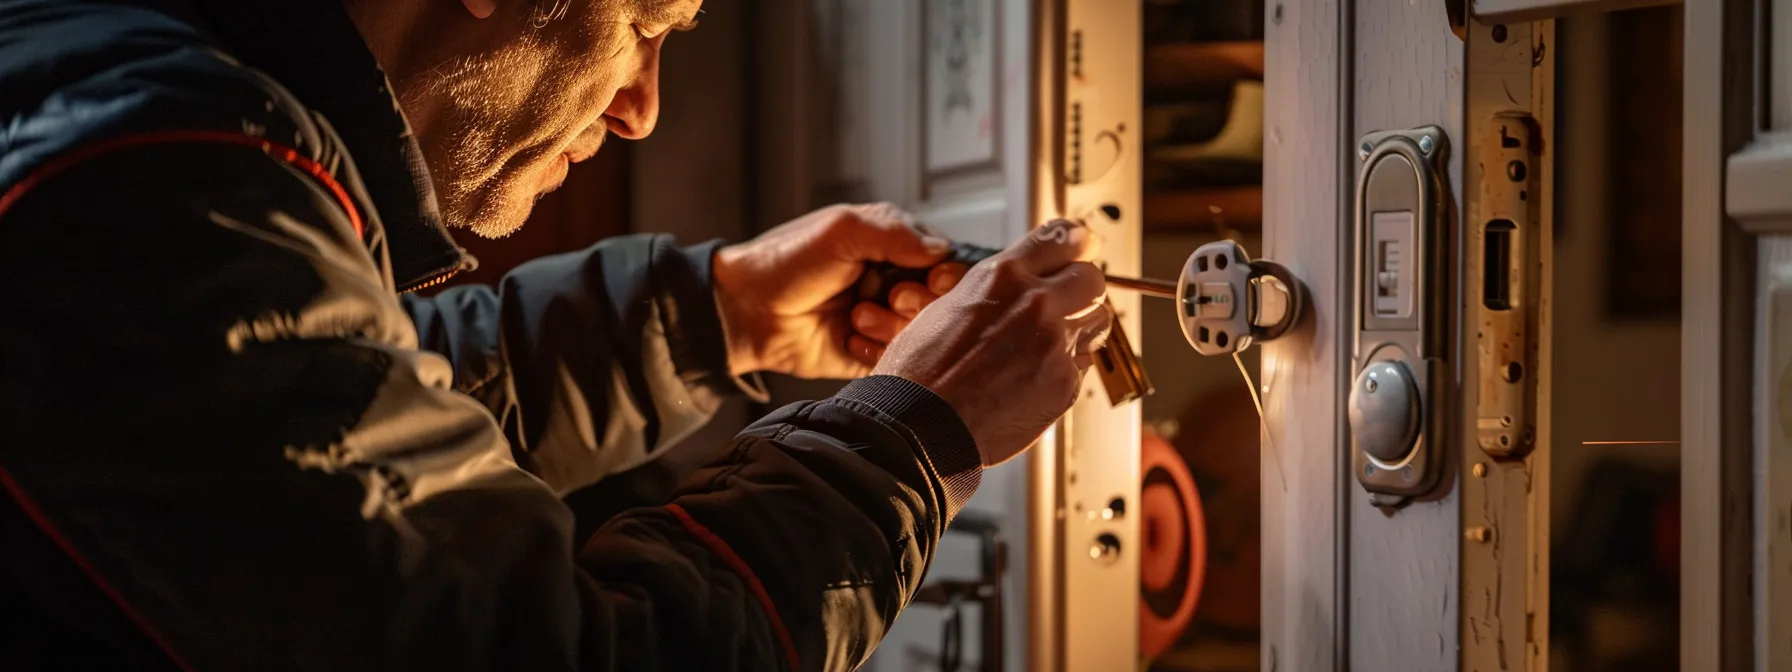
column 1220, row 261
column 1499, row 33
column 1515, row 171
column 1514, row 372
column 1106, row 549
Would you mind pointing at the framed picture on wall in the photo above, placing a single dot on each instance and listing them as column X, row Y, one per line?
column 960, row 89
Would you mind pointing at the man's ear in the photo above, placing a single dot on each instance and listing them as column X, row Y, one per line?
column 480, row 8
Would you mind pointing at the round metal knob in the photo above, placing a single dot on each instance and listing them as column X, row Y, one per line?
column 1384, row 411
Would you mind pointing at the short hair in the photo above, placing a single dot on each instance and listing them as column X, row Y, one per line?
column 547, row 11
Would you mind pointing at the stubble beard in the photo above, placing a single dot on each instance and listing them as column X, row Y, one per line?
column 468, row 148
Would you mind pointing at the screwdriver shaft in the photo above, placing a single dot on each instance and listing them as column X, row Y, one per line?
column 1147, row 286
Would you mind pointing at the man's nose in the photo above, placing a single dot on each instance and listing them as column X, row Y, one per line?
column 636, row 107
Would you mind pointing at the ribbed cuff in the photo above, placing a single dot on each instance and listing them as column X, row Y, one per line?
column 702, row 337
column 945, row 441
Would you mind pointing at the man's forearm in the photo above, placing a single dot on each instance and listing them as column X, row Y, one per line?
column 593, row 360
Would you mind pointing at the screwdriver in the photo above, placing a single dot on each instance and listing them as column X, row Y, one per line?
column 881, row 277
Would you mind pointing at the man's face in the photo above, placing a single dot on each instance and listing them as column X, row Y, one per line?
column 505, row 94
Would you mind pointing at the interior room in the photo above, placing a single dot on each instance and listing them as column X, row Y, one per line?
column 1426, row 335
column 777, row 108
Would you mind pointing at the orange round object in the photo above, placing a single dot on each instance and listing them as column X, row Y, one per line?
column 1173, row 559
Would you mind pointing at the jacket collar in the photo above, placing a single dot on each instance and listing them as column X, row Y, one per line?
column 313, row 49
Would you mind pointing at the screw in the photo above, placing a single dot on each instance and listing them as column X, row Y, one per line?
column 1406, row 473
column 1370, row 386
column 1477, row 534
column 1366, row 148
column 1426, row 144
column 1515, row 171
column 1480, row 471
column 1368, row 470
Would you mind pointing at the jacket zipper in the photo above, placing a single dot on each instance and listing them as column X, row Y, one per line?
column 432, row 282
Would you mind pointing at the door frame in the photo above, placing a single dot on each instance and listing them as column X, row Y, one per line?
column 1717, row 555
column 1085, row 594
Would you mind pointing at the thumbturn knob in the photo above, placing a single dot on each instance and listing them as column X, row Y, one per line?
column 1384, row 411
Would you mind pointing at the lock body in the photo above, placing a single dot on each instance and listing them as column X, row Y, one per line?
column 1397, row 401
column 1225, row 301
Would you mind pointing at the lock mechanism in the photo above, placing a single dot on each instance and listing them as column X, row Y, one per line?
column 1396, row 401
column 1225, row 301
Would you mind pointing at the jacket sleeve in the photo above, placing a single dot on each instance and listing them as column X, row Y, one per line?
column 218, row 410
column 592, row 361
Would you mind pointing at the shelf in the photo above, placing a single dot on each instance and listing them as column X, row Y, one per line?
column 1198, row 64
column 1200, row 209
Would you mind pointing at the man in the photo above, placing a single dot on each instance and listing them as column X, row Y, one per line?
column 234, row 439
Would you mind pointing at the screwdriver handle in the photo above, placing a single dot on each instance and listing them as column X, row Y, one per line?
column 879, row 278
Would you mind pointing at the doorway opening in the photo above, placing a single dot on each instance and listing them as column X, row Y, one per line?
column 1200, row 572
column 1615, row 501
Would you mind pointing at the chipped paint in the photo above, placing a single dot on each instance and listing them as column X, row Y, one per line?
column 1504, row 551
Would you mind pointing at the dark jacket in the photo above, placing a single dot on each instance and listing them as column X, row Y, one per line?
column 230, row 440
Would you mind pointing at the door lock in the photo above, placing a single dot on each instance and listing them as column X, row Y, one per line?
column 1396, row 402
column 1225, row 301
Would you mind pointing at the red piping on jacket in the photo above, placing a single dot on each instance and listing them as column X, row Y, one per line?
column 61, row 163
column 43, row 522
column 721, row 548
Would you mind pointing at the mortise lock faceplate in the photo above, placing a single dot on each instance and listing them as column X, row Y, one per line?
column 1399, row 378
column 1506, row 288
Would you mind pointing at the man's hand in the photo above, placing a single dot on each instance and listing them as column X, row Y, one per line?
column 783, row 299
column 1008, row 347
